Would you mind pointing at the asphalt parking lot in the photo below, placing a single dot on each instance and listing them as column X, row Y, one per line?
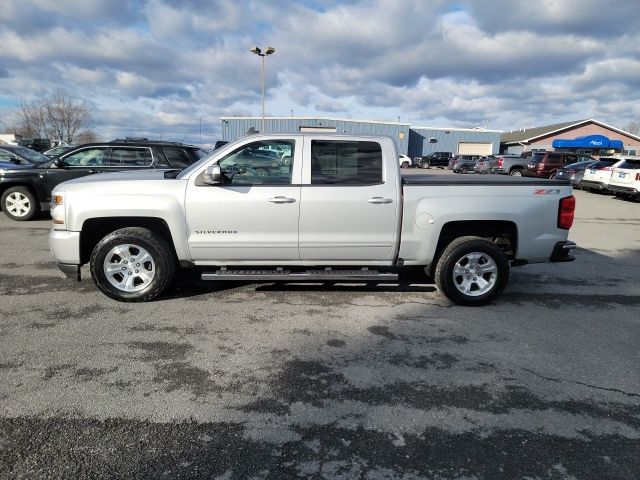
column 320, row 381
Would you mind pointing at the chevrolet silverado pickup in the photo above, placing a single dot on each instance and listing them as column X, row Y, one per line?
column 336, row 209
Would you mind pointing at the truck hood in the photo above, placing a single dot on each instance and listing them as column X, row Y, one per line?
column 118, row 182
column 133, row 176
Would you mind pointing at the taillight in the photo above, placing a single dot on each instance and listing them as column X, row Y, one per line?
column 565, row 212
column 607, row 169
column 541, row 166
column 637, row 177
column 500, row 162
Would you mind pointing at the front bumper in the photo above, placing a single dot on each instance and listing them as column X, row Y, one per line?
column 70, row 271
column 65, row 248
column 561, row 252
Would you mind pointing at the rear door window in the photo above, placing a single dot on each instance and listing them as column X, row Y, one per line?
column 345, row 162
column 130, row 157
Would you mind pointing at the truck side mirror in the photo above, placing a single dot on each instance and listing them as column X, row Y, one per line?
column 212, row 175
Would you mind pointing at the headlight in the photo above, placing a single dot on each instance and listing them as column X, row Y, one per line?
column 57, row 209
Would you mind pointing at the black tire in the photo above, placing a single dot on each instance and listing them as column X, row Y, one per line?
column 455, row 252
column 29, row 206
column 162, row 263
column 404, row 165
column 463, row 169
column 425, row 164
column 516, row 172
column 553, row 176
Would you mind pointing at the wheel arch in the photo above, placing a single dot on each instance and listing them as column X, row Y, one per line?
column 94, row 229
column 503, row 233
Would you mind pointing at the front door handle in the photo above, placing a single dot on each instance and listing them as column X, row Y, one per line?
column 379, row 200
column 282, row 200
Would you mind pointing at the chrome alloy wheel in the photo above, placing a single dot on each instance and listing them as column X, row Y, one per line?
column 129, row 268
column 475, row 274
column 18, row 204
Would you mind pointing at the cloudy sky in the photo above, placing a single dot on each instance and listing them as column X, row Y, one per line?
column 160, row 67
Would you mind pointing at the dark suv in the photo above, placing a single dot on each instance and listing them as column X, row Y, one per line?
column 37, row 144
column 26, row 190
column 434, row 159
column 546, row 164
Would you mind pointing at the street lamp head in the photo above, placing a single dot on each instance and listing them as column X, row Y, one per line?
column 256, row 50
column 270, row 50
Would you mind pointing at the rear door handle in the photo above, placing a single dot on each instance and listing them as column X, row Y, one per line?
column 282, row 200
column 379, row 200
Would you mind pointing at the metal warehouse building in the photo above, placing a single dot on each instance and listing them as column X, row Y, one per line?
column 414, row 141
column 234, row 128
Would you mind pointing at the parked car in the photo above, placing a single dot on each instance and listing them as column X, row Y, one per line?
column 597, row 176
column 405, row 161
column 14, row 156
column 25, row 190
column 546, row 164
column 433, row 159
column 37, row 144
column 508, row 164
column 483, row 164
column 343, row 212
column 573, row 172
column 625, row 178
column 59, row 150
column 465, row 163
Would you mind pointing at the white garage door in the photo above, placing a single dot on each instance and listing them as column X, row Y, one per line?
column 475, row 148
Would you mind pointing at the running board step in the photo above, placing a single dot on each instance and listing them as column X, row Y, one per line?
column 300, row 276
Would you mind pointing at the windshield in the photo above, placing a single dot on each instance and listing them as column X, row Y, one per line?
column 31, row 155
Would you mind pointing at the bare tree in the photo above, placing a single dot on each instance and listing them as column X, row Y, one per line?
column 633, row 128
column 55, row 115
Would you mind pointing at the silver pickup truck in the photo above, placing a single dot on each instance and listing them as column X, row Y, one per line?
column 332, row 208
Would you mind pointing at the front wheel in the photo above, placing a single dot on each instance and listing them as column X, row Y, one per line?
column 472, row 271
column 425, row 164
column 132, row 265
column 19, row 204
column 404, row 165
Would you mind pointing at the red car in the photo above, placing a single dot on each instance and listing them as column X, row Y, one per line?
column 546, row 164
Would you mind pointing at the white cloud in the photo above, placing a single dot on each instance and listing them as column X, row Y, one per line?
column 166, row 63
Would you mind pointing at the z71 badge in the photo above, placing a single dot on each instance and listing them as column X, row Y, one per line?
column 546, row 191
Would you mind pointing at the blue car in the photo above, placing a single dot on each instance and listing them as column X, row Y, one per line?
column 14, row 156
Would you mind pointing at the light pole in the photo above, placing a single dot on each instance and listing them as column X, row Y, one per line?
column 262, row 54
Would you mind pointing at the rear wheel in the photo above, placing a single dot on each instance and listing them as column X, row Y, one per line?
column 463, row 169
column 18, row 203
column 132, row 265
column 516, row 172
column 472, row 271
column 404, row 165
